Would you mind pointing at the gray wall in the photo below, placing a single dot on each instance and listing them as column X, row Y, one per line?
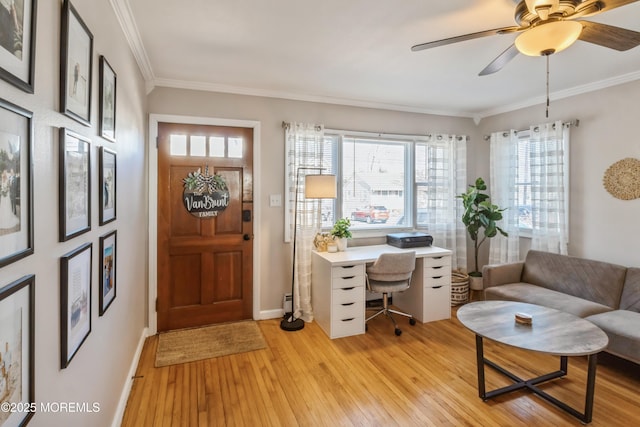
column 98, row 372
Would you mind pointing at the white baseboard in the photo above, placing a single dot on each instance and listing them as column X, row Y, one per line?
column 271, row 314
column 124, row 396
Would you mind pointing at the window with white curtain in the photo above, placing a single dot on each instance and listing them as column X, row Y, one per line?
column 388, row 183
column 530, row 177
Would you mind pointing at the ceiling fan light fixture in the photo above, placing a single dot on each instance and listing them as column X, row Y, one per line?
column 548, row 37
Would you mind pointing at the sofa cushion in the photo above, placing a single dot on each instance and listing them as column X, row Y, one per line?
column 525, row 292
column 631, row 293
column 596, row 281
column 623, row 329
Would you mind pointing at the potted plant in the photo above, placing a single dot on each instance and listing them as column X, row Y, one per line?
column 341, row 232
column 480, row 217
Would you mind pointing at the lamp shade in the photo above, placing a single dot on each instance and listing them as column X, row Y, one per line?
column 548, row 37
column 320, row 186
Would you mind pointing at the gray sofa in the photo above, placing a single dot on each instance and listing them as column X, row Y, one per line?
column 606, row 294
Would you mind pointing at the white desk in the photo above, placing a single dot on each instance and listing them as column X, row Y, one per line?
column 338, row 288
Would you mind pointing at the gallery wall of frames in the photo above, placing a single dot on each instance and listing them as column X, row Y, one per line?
column 77, row 146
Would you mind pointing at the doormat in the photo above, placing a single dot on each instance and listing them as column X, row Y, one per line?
column 189, row 345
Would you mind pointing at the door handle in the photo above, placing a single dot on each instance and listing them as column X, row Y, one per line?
column 246, row 237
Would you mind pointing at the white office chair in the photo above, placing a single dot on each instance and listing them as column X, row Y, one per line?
column 391, row 272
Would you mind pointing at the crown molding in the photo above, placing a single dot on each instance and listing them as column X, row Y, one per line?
column 131, row 33
column 565, row 93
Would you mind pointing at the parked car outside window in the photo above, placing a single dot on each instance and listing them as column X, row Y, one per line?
column 371, row 214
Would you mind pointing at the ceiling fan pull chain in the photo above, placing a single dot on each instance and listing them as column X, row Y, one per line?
column 548, row 86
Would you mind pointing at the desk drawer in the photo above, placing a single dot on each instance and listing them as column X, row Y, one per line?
column 347, row 270
column 439, row 261
column 437, row 303
column 347, row 327
column 348, row 310
column 348, row 295
column 348, row 282
column 436, row 272
column 435, row 282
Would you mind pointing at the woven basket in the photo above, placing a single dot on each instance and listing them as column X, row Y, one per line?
column 459, row 287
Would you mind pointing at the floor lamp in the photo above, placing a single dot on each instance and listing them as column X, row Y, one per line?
column 316, row 186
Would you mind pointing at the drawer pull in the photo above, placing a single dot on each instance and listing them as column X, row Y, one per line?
column 347, row 266
column 348, row 277
column 437, row 277
column 348, row 289
column 347, row 304
column 437, row 257
column 437, row 267
column 348, row 320
column 437, row 287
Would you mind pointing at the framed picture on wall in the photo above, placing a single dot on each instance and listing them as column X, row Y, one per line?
column 18, row 42
column 16, row 183
column 17, row 343
column 107, row 100
column 107, row 185
column 74, row 185
column 108, row 274
column 76, row 54
column 75, row 301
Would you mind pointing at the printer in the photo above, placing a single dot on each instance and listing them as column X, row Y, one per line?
column 412, row 239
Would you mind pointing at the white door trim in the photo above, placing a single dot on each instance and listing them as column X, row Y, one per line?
column 154, row 119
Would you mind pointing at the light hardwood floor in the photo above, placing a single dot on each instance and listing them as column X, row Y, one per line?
column 425, row 377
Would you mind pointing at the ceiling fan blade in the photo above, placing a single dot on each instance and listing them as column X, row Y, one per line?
column 471, row 36
column 592, row 7
column 502, row 60
column 609, row 36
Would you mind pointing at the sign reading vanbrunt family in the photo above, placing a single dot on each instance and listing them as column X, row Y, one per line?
column 205, row 195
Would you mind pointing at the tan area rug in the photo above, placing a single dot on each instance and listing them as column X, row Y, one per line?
column 189, row 345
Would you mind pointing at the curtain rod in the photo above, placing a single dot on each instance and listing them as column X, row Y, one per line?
column 575, row 123
column 286, row 125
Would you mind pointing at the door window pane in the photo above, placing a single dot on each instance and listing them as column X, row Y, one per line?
column 216, row 146
column 178, row 145
column 198, row 146
column 235, row 148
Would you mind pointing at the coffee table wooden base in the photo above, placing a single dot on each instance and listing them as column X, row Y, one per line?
column 530, row 384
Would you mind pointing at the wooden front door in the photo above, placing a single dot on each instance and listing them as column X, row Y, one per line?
column 205, row 264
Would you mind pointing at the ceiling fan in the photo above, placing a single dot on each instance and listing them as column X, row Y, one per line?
column 549, row 26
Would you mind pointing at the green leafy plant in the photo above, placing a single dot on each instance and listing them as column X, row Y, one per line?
column 480, row 217
column 341, row 228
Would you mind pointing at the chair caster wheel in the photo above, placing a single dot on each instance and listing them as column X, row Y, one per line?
column 412, row 321
column 398, row 332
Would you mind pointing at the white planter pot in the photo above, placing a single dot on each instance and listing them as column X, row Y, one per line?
column 475, row 283
column 342, row 243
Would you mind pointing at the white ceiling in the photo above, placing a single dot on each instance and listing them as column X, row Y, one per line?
column 357, row 52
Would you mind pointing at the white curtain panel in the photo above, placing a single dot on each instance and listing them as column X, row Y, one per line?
column 304, row 148
column 549, row 157
column 503, row 176
column 446, row 179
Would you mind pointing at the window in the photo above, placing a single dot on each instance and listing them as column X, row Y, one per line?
column 523, row 182
column 391, row 182
column 197, row 146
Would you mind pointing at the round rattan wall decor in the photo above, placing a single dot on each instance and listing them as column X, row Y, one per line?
column 622, row 179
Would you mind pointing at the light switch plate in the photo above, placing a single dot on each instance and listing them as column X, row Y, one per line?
column 275, row 200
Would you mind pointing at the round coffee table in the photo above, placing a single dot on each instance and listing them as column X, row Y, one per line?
column 551, row 331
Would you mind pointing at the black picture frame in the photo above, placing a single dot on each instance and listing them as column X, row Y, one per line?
column 75, row 301
column 108, row 269
column 76, row 65
column 108, row 87
column 74, row 185
column 16, row 183
column 17, row 337
column 18, row 48
column 107, row 185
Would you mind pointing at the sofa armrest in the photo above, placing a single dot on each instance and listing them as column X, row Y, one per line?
column 501, row 274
